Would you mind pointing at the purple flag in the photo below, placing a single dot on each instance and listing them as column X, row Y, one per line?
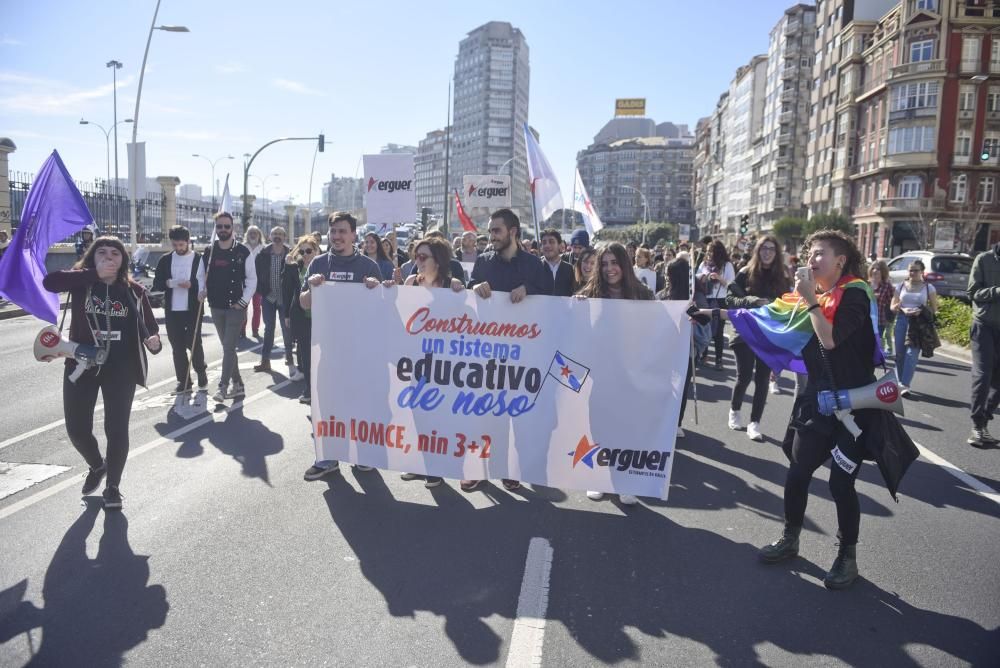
column 53, row 211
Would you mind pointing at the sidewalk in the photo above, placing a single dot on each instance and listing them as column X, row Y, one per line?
column 9, row 310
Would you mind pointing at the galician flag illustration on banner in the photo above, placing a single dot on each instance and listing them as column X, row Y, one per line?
column 582, row 203
column 544, row 186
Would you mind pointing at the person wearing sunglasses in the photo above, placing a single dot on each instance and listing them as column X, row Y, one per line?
column 296, row 320
column 230, row 283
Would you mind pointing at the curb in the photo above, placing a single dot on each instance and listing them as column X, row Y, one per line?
column 955, row 351
column 6, row 314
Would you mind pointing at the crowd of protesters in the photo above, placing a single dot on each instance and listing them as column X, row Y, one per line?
column 251, row 282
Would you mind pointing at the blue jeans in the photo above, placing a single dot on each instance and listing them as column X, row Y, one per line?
column 270, row 312
column 906, row 356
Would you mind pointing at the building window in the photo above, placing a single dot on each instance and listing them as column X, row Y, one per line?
column 922, row 50
column 987, row 185
column 991, row 146
column 995, row 51
column 963, row 143
column 966, row 98
column 993, row 99
column 910, row 187
column 972, row 46
column 915, row 96
column 958, row 189
column 919, row 139
column 930, row 5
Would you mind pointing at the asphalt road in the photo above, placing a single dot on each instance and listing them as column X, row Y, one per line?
column 225, row 556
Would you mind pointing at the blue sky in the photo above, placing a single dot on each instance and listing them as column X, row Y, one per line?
column 365, row 73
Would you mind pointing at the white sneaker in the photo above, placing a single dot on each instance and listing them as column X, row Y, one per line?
column 294, row 374
column 773, row 387
column 904, row 391
column 735, row 420
column 753, row 432
column 595, row 496
column 628, row 499
column 680, row 433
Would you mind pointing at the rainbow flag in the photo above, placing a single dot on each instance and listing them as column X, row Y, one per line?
column 779, row 331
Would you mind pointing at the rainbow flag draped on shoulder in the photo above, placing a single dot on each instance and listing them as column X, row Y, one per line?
column 779, row 331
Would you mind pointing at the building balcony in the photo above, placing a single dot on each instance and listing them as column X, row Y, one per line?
column 790, row 72
column 847, row 96
column 910, row 114
column 792, row 28
column 920, row 67
column 898, row 160
column 966, row 114
column 993, row 115
column 786, row 117
column 870, row 87
column 786, row 139
column 901, row 205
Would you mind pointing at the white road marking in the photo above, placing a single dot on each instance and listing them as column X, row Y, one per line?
column 529, row 627
column 100, row 406
column 15, row 477
column 29, row 501
column 976, row 485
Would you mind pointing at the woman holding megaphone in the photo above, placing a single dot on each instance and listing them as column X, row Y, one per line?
column 828, row 325
column 112, row 312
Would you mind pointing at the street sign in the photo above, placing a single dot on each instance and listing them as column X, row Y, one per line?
column 944, row 236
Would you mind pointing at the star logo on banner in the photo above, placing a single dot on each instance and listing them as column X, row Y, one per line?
column 566, row 371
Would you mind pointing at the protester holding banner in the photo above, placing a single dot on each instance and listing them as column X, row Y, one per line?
column 833, row 307
column 180, row 276
column 614, row 280
column 297, row 321
column 583, row 268
column 432, row 257
column 230, row 283
column 563, row 282
column 456, row 268
column 340, row 264
column 269, row 265
column 507, row 268
column 374, row 250
column 716, row 272
column 254, row 240
column 113, row 312
column 762, row 281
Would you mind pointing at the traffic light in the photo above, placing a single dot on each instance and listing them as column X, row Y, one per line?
column 985, row 155
column 322, row 142
column 744, row 225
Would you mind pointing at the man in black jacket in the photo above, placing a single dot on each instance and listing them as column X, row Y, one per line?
column 269, row 265
column 506, row 268
column 180, row 275
column 558, row 272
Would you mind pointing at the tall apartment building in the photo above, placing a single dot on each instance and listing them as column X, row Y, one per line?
column 924, row 165
column 429, row 167
column 744, row 121
column 389, row 149
column 823, row 192
column 779, row 150
column 491, row 108
column 343, row 193
column 712, row 196
column 659, row 166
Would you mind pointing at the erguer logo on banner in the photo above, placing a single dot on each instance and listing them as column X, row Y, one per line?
column 390, row 198
column 487, row 191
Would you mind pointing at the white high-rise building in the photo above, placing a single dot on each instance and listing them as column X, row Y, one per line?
column 744, row 121
column 491, row 108
column 429, row 170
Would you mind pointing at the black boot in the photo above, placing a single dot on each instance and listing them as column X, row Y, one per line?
column 785, row 547
column 844, row 571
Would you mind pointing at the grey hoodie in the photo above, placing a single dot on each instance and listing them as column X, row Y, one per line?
column 354, row 268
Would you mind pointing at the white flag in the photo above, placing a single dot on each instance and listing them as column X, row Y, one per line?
column 582, row 203
column 541, row 180
column 226, row 205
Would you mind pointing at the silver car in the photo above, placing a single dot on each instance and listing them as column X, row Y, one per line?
column 947, row 272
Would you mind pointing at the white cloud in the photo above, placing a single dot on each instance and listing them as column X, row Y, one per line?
column 295, row 87
column 19, row 93
column 230, row 68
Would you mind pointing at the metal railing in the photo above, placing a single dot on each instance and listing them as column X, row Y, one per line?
column 918, row 67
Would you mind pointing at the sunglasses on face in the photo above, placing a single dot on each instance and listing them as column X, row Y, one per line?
column 308, row 251
column 223, row 227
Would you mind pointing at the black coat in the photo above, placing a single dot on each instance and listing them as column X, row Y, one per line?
column 162, row 275
column 564, row 282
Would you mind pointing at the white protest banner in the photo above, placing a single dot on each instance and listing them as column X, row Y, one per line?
column 492, row 192
column 391, row 198
column 646, row 276
column 548, row 391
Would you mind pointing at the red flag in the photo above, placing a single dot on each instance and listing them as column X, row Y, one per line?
column 463, row 217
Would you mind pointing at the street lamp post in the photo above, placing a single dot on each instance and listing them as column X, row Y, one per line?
column 107, row 141
column 133, row 177
column 213, row 163
column 263, row 189
column 645, row 210
column 500, row 168
column 115, row 66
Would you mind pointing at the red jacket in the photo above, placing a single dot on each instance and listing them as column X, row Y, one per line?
column 76, row 282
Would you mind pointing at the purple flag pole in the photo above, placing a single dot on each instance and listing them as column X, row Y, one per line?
column 53, row 211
